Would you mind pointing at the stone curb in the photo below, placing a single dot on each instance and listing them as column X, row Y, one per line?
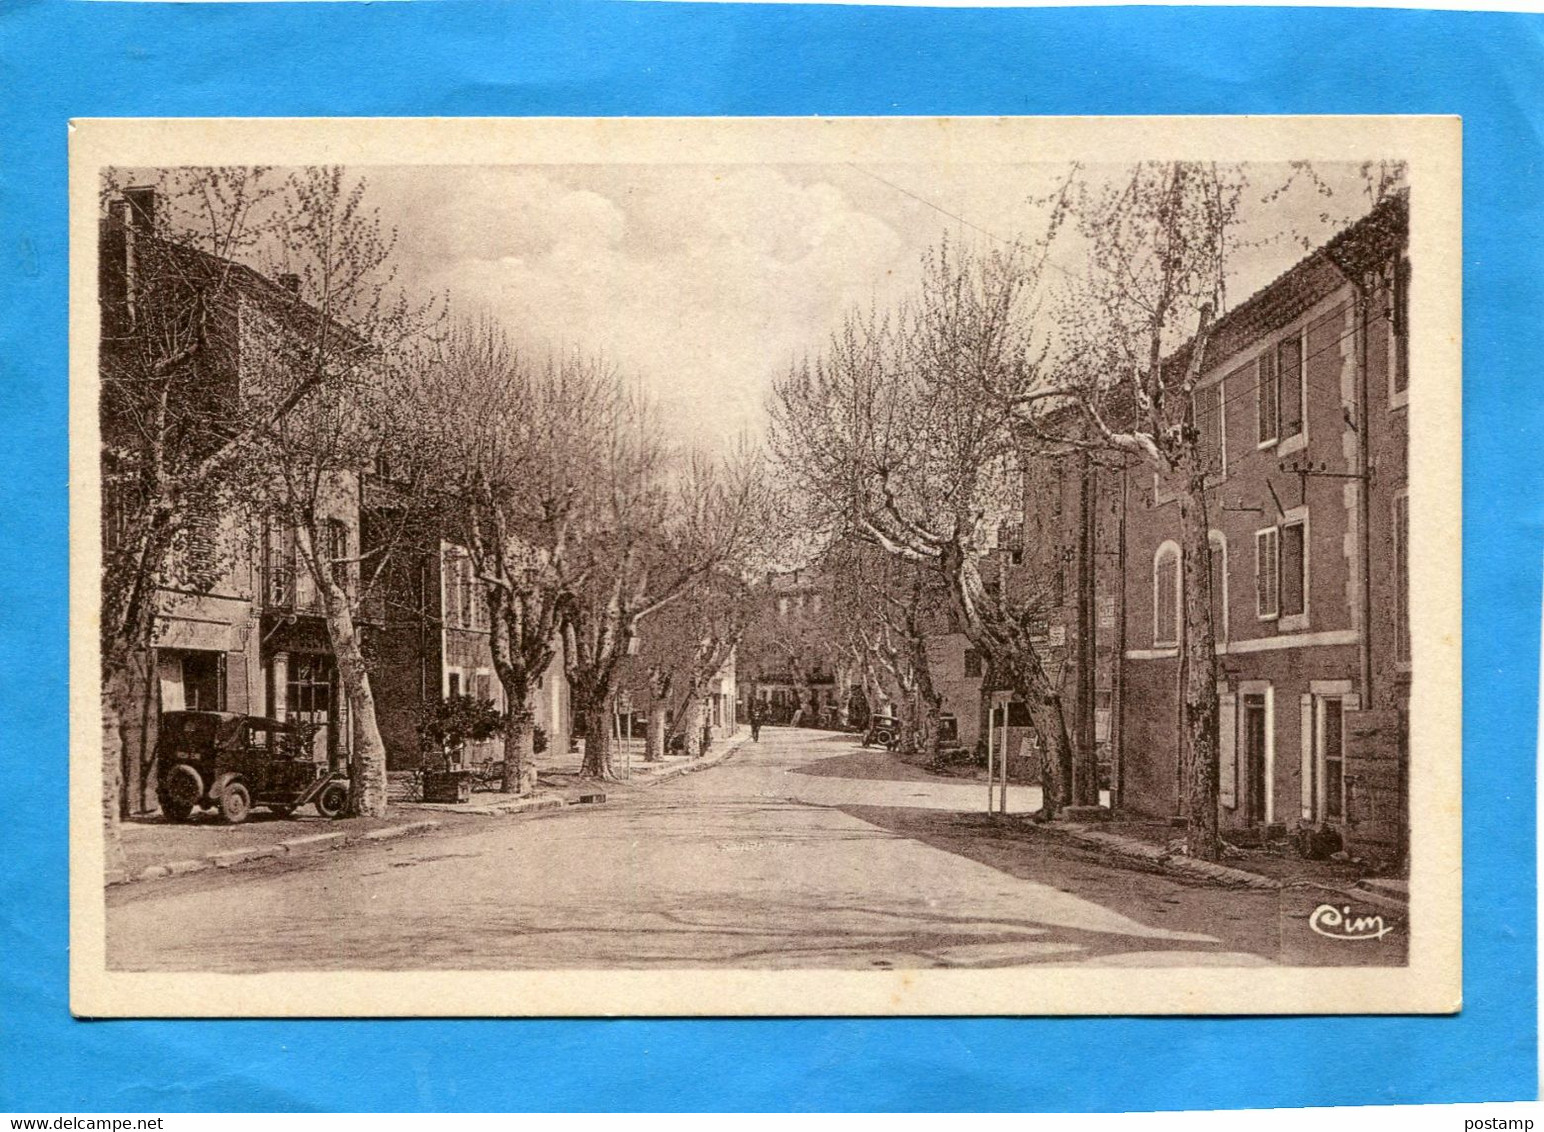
column 320, row 841
column 313, row 842
column 514, row 806
column 1378, row 889
column 237, row 856
column 691, row 767
column 294, row 846
column 392, row 832
column 1134, row 850
column 1379, row 898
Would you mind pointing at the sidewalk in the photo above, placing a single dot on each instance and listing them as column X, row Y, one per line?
column 1158, row 845
column 560, row 770
column 154, row 848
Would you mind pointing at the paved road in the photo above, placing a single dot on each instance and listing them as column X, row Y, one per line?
column 800, row 851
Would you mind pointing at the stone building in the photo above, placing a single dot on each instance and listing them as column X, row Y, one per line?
column 429, row 633
column 1302, row 406
column 237, row 623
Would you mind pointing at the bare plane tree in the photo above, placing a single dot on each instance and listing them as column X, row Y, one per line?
column 656, row 528
column 887, row 608
column 517, row 437
column 893, row 435
column 354, row 328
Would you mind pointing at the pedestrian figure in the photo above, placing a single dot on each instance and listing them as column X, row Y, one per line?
column 755, row 722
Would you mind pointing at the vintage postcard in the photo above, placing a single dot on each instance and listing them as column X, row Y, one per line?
column 765, row 566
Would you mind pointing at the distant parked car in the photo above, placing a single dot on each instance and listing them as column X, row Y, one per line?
column 233, row 762
column 948, row 729
column 883, row 731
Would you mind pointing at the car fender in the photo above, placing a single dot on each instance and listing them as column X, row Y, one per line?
column 217, row 788
column 181, row 770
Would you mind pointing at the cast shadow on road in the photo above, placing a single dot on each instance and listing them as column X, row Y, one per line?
column 895, row 939
column 1269, row 924
column 866, row 764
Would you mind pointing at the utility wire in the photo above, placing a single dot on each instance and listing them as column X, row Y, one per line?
column 1017, row 244
column 1303, row 363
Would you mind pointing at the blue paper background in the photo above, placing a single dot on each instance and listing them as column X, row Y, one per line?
column 98, row 59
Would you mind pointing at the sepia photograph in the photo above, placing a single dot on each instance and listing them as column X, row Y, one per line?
column 736, row 567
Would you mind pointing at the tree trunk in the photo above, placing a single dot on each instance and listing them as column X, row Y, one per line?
column 117, row 715
column 692, row 724
column 595, row 717
column 112, row 763
column 930, row 703
column 1045, row 712
column 1200, row 756
column 513, row 664
column 367, row 762
column 1011, row 653
column 519, row 750
column 913, row 738
column 1085, row 770
column 654, row 734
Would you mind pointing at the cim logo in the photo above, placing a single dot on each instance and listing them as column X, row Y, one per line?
column 1338, row 923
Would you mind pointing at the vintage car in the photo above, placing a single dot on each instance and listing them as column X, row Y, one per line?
column 233, row 762
column 883, row 731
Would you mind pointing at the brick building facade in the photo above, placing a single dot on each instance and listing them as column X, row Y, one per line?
column 1302, row 406
column 237, row 623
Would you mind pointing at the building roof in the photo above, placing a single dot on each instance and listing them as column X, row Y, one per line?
column 1363, row 245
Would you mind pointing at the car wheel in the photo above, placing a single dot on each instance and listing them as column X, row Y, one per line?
column 182, row 792
column 332, row 801
column 235, row 803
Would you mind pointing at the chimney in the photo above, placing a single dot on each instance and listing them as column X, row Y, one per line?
column 290, row 282
column 140, row 210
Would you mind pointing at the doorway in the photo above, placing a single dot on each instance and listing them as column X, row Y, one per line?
column 309, row 697
column 1256, row 776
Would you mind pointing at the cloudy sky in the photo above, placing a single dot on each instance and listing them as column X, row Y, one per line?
column 706, row 281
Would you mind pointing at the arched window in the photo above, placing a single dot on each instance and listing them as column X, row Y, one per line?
column 1166, row 595
column 1219, row 586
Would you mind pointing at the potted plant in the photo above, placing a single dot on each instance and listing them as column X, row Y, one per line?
column 444, row 729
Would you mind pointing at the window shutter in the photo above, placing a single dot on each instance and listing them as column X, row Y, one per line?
column 1294, row 572
column 1305, row 717
column 1227, row 749
column 1266, row 390
column 1289, row 385
column 1266, row 573
column 1402, row 326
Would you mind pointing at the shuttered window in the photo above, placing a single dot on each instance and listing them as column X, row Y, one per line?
column 1402, row 326
column 280, row 564
column 1294, row 570
column 1334, row 759
column 337, row 550
column 1289, row 385
column 1166, row 596
column 1207, row 406
column 1267, row 578
column 1227, row 747
column 1219, row 584
column 1266, row 400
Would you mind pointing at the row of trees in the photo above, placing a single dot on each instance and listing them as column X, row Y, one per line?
column 260, row 356
column 908, row 431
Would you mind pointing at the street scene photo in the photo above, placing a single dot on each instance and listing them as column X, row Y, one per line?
column 885, row 563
